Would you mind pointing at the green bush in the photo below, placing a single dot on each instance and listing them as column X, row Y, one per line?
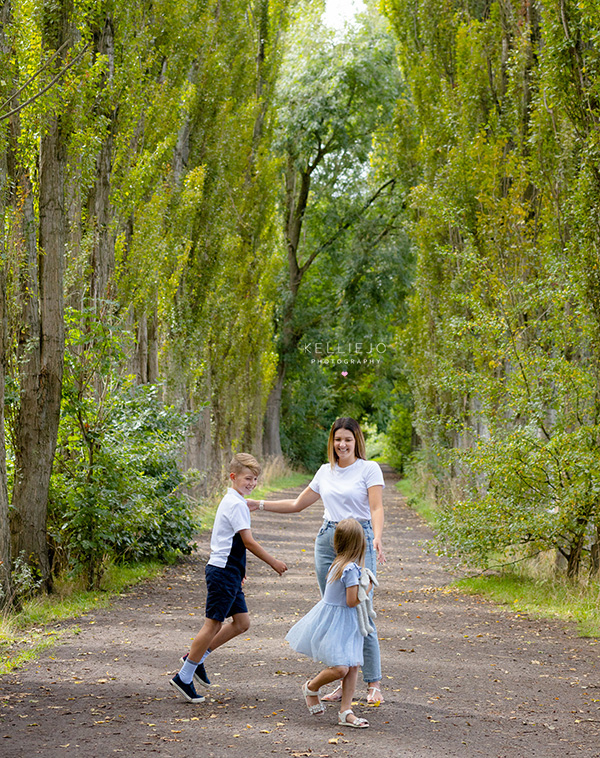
column 117, row 490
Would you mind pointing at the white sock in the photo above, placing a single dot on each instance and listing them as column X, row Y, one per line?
column 204, row 657
column 186, row 672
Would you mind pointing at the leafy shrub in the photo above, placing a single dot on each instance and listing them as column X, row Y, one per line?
column 117, row 491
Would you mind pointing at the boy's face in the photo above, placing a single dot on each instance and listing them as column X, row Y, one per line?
column 244, row 482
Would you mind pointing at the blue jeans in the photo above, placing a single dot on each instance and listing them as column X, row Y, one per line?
column 324, row 555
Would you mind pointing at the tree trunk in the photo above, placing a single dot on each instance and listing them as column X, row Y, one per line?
column 152, row 370
column 297, row 186
column 103, row 250
column 5, row 551
column 141, row 350
column 39, row 411
column 272, row 438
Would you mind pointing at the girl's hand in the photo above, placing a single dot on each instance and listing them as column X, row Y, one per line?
column 379, row 548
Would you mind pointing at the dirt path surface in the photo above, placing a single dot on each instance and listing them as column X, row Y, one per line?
column 462, row 678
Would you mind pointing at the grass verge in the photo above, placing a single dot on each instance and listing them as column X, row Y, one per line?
column 407, row 488
column 550, row 598
column 24, row 635
column 534, row 590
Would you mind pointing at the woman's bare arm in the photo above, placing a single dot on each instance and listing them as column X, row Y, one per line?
column 375, row 494
column 305, row 498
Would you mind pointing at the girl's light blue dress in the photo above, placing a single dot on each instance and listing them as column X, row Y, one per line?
column 329, row 632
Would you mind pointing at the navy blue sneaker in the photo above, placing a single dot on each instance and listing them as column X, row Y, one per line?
column 187, row 690
column 199, row 674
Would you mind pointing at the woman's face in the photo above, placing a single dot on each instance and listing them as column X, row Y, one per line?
column 344, row 445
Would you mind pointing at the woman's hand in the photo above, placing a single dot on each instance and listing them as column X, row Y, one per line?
column 252, row 505
column 375, row 494
column 379, row 548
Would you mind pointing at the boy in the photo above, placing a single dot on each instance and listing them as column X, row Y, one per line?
column 225, row 572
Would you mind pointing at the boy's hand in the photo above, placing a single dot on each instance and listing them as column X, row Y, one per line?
column 279, row 566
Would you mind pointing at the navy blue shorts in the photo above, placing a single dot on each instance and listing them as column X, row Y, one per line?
column 224, row 594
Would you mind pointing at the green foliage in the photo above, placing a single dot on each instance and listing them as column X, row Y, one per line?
column 169, row 198
column 25, row 582
column 117, row 487
column 398, row 438
column 336, row 99
column 501, row 342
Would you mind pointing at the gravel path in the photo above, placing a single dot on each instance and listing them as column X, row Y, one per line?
column 462, row 677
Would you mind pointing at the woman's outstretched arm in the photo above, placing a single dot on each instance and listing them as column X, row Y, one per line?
column 305, row 498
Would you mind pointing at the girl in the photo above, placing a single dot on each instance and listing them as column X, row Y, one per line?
column 329, row 632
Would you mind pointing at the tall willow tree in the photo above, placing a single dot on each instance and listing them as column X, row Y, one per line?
column 334, row 99
column 502, row 343
column 42, row 336
column 140, row 230
column 219, row 318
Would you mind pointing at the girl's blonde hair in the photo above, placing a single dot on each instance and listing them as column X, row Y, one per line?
column 351, row 425
column 350, row 546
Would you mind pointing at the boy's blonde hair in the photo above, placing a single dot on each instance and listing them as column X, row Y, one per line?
column 350, row 545
column 241, row 461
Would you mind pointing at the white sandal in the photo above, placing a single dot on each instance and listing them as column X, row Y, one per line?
column 358, row 723
column 376, row 697
column 334, row 696
column 312, row 709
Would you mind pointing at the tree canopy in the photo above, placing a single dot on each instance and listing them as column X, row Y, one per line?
column 225, row 224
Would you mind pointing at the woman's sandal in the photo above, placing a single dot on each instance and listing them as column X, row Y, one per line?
column 358, row 723
column 314, row 710
column 374, row 696
column 334, row 696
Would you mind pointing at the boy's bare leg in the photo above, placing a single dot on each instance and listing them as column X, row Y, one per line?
column 204, row 638
column 240, row 623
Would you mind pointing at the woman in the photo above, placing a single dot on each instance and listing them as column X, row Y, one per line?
column 350, row 487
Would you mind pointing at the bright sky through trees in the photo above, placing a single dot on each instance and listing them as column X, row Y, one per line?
column 339, row 12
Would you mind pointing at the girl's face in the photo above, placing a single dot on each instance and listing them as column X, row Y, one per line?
column 344, row 445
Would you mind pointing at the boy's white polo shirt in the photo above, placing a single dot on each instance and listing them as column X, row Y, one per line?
column 226, row 546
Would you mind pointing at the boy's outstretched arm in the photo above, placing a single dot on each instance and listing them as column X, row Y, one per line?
column 258, row 550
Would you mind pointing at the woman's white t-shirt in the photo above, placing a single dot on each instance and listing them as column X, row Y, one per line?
column 344, row 491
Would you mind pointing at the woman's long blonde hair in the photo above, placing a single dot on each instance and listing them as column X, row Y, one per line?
column 350, row 546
